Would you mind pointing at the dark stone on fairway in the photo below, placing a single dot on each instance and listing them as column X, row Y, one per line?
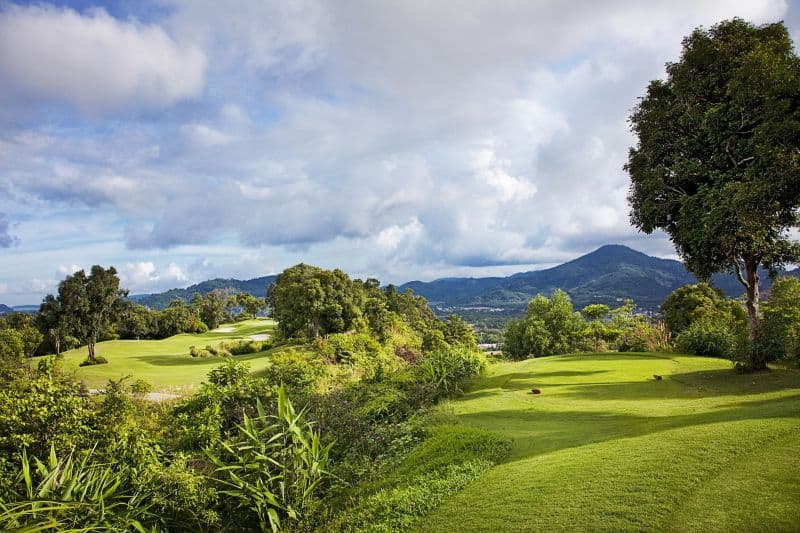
column 535, row 391
column 657, row 377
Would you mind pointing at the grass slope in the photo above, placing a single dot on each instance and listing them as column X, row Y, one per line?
column 607, row 447
column 166, row 363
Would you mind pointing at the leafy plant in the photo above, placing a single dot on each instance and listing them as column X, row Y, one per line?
column 273, row 466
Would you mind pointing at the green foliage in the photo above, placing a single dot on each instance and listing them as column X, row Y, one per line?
column 230, row 348
column 270, row 470
column 705, row 322
column 61, row 494
column 446, row 370
column 98, row 360
column 707, row 338
column 213, row 412
column 781, row 337
column 308, row 302
column 251, row 306
column 295, row 370
column 137, row 322
column 178, row 318
column 550, row 326
column 19, row 336
column 39, row 411
column 53, row 321
column 181, row 497
column 92, row 303
column 458, row 332
column 692, row 303
column 716, row 163
column 212, row 308
column 598, row 328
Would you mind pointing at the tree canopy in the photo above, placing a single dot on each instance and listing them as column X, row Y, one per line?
column 91, row 303
column 717, row 163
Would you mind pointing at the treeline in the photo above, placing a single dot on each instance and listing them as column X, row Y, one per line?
column 696, row 319
column 361, row 364
column 89, row 308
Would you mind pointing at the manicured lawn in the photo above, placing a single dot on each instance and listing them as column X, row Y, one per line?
column 166, row 363
column 605, row 447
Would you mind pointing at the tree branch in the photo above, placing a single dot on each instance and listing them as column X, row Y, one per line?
column 738, row 269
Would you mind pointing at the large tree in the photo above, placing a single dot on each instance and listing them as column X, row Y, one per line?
column 309, row 301
column 92, row 303
column 53, row 321
column 717, row 163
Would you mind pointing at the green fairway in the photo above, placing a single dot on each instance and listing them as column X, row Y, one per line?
column 605, row 446
column 166, row 363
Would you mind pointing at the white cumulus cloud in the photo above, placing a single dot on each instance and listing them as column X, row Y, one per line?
column 93, row 61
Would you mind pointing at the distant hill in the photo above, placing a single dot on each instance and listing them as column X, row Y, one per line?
column 4, row 309
column 256, row 287
column 607, row 275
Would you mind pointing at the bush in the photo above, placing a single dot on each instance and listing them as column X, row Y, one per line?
column 227, row 349
column 295, row 370
column 447, row 369
column 708, row 338
column 359, row 351
column 215, row 410
column 178, row 495
column 270, row 470
column 99, row 360
column 643, row 336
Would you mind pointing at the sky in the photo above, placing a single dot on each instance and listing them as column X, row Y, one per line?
column 182, row 140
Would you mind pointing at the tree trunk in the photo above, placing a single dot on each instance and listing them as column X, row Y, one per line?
column 753, row 310
column 756, row 359
column 57, row 342
column 91, row 344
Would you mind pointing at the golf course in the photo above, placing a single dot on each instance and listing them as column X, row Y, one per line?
column 607, row 446
column 612, row 441
column 166, row 363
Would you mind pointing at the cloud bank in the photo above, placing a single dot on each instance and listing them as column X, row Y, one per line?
column 406, row 141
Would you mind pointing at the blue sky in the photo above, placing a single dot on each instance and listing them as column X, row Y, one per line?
column 180, row 140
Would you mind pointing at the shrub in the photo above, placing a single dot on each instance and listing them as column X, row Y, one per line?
column 295, row 370
column 781, row 322
column 214, row 411
column 178, row 495
column 643, row 336
column 708, row 338
column 270, row 470
column 447, row 369
column 99, row 360
column 227, row 349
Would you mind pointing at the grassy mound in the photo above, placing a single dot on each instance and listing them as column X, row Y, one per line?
column 605, row 446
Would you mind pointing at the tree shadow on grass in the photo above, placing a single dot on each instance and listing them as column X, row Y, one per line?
column 539, row 432
column 524, row 380
column 611, row 356
column 186, row 360
column 697, row 384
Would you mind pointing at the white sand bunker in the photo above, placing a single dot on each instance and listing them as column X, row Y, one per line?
column 260, row 337
column 223, row 330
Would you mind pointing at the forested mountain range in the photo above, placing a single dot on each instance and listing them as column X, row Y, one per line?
column 256, row 287
column 606, row 275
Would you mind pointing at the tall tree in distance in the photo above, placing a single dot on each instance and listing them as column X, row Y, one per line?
column 92, row 303
column 717, row 163
column 53, row 321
